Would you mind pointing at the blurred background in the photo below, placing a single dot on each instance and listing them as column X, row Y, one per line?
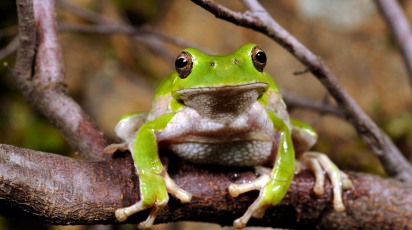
column 110, row 73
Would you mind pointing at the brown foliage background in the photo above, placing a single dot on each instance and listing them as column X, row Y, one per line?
column 112, row 74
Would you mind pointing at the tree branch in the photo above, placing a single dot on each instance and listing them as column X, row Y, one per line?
column 68, row 191
column 9, row 48
column 88, row 192
column 401, row 30
column 294, row 100
column 258, row 19
column 104, row 25
column 39, row 73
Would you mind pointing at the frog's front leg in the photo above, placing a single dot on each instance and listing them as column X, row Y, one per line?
column 154, row 182
column 274, row 187
column 126, row 130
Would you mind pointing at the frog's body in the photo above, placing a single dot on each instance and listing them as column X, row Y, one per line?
column 215, row 110
column 224, row 120
column 239, row 136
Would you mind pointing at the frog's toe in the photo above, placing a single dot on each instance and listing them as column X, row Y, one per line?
column 313, row 164
column 257, row 209
column 320, row 163
column 259, row 213
column 123, row 213
column 175, row 190
column 346, row 182
column 110, row 149
column 152, row 216
column 236, row 189
column 242, row 221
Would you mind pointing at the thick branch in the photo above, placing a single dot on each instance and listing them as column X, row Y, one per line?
column 258, row 19
column 68, row 191
column 401, row 30
column 39, row 73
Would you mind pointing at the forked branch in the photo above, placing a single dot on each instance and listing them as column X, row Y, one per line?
column 39, row 73
column 68, row 191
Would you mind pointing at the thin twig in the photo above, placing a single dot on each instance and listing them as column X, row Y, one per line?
column 84, row 13
column 8, row 32
column 107, row 26
column 9, row 48
column 259, row 19
column 120, row 28
column 98, row 29
column 293, row 100
column 401, row 30
column 150, row 37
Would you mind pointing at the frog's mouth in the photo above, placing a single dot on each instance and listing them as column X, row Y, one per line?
column 229, row 100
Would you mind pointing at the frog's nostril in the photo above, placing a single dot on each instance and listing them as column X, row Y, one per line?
column 235, row 61
column 212, row 64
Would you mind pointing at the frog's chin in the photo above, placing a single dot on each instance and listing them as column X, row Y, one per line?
column 228, row 100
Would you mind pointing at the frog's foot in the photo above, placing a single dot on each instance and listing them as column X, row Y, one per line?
column 236, row 189
column 110, row 149
column 155, row 197
column 123, row 213
column 320, row 163
column 267, row 196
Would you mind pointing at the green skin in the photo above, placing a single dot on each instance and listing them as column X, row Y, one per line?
column 211, row 72
column 145, row 152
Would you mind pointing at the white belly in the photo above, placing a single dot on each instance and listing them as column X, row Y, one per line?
column 236, row 153
column 245, row 140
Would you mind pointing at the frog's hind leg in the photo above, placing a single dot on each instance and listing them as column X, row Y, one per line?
column 319, row 163
column 258, row 208
column 272, row 184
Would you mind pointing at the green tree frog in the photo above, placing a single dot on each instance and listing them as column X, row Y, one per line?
column 221, row 110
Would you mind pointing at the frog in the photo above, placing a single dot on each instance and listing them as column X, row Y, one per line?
column 222, row 110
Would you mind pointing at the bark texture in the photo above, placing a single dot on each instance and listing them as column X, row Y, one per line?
column 61, row 190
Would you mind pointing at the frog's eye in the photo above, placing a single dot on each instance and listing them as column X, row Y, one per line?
column 184, row 64
column 258, row 58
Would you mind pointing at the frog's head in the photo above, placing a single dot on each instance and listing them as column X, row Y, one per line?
column 221, row 84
